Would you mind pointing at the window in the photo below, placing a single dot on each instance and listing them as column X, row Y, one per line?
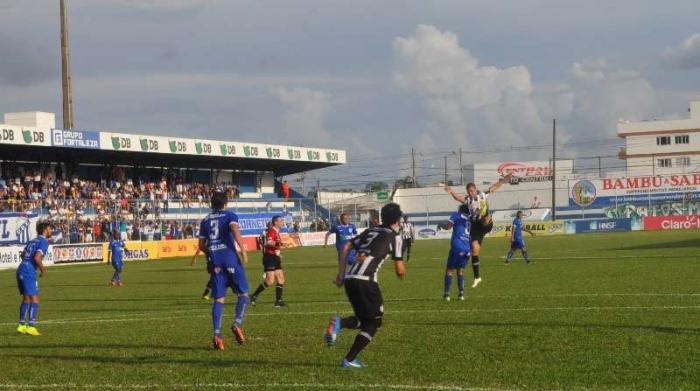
column 663, row 140
column 683, row 161
column 684, row 139
column 663, row 163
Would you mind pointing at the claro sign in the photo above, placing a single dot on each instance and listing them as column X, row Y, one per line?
column 664, row 223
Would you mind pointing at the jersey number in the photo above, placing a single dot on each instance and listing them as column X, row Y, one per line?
column 214, row 229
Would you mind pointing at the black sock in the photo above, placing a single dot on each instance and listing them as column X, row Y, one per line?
column 361, row 341
column 206, row 291
column 261, row 288
column 278, row 291
column 475, row 266
column 350, row 322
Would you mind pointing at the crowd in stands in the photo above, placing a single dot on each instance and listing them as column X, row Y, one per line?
column 96, row 230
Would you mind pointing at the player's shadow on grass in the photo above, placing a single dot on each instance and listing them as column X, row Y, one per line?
column 657, row 329
column 686, row 243
column 185, row 298
column 217, row 360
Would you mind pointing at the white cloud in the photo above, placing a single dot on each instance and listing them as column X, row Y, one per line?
column 469, row 104
column 305, row 114
column 687, row 55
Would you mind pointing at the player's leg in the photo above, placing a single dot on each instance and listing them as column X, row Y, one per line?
column 23, row 314
column 33, row 314
column 511, row 251
column 239, row 283
column 268, row 280
column 219, row 287
column 208, row 287
column 476, row 249
column 279, row 288
column 523, row 249
column 409, row 243
column 460, row 281
column 368, row 304
column 447, row 284
column 337, row 322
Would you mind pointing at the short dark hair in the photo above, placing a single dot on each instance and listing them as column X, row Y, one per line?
column 464, row 209
column 41, row 226
column 405, row 217
column 518, row 213
column 218, row 200
column 275, row 218
column 471, row 184
column 391, row 214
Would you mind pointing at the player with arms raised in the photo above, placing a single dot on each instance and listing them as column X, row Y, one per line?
column 516, row 238
column 343, row 233
column 217, row 234
column 480, row 216
column 373, row 246
column 460, row 248
column 32, row 259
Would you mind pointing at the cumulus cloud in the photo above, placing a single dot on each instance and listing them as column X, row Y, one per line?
column 687, row 55
column 469, row 103
column 305, row 114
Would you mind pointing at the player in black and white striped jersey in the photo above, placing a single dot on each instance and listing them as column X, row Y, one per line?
column 373, row 246
column 408, row 235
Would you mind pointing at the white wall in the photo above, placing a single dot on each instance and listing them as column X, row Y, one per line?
column 36, row 119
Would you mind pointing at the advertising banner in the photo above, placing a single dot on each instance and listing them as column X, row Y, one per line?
column 657, row 194
column 315, row 238
column 23, row 135
column 10, row 256
column 177, row 248
column 86, row 139
column 252, row 224
column 658, row 223
column 75, row 253
column 539, row 228
column 135, row 251
column 508, row 216
column 291, row 240
column 603, row 225
column 17, row 228
column 431, row 232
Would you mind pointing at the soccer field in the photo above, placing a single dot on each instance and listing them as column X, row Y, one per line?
column 608, row 311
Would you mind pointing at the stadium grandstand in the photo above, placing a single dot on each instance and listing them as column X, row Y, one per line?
column 91, row 183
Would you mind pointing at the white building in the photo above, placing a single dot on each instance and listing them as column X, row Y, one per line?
column 662, row 147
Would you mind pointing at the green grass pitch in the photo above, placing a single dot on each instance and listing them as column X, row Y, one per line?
column 597, row 311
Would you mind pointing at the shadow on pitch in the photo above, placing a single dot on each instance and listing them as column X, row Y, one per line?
column 217, row 360
column 687, row 243
column 657, row 329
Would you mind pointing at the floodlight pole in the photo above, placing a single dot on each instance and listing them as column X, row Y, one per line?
column 554, row 169
column 65, row 66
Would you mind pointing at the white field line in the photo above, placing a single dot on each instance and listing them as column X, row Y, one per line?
column 287, row 313
column 431, row 387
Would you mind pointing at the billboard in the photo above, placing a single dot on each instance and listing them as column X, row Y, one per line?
column 75, row 253
column 17, row 228
column 252, row 224
column 539, row 228
column 603, row 225
column 664, row 223
column 75, row 139
column 661, row 195
column 23, row 135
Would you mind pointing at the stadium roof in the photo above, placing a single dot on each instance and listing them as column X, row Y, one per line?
column 84, row 146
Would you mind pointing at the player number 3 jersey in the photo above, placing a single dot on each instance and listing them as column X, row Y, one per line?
column 373, row 246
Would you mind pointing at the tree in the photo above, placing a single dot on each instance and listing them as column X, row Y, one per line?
column 373, row 187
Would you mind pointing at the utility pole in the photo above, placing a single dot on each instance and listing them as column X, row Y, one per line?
column 461, row 168
column 302, row 180
column 600, row 168
column 65, row 65
column 413, row 167
column 445, row 170
column 554, row 169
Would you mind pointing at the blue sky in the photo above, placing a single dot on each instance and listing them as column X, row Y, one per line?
column 373, row 77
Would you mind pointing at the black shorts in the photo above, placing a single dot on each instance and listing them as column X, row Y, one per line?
column 210, row 267
column 479, row 230
column 407, row 243
column 272, row 262
column 366, row 298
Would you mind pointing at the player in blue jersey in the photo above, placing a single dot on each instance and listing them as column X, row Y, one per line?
column 218, row 236
column 344, row 232
column 516, row 238
column 116, row 257
column 460, row 249
column 32, row 259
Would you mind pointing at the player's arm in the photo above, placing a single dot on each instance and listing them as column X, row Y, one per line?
column 325, row 241
column 457, row 197
column 194, row 257
column 342, row 265
column 239, row 240
column 38, row 260
column 446, row 226
column 397, row 255
column 498, row 184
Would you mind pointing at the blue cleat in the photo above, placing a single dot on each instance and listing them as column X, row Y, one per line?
column 352, row 364
column 331, row 334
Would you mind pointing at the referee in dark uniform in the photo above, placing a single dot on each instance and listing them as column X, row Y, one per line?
column 372, row 247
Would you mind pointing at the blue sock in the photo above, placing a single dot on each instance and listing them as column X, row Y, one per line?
column 448, row 283
column 216, row 312
column 116, row 276
column 33, row 312
column 240, row 309
column 510, row 256
column 23, row 308
column 460, row 283
column 526, row 256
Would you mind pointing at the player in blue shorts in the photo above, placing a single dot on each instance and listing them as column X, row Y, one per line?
column 344, row 232
column 218, row 236
column 516, row 238
column 116, row 256
column 32, row 257
column 460, row 249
